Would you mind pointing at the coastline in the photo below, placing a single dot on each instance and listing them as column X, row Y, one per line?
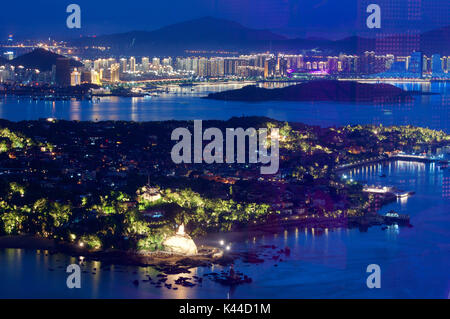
column 207, row 255
column 169, row 262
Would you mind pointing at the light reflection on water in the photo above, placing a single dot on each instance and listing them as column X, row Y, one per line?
column 184, row 104
column 328, row 263
column 324, row 263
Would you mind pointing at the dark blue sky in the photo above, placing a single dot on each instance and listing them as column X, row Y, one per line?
column 326, row 18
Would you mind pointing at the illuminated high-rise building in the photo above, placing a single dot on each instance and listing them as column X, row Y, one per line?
column 269, row 67
column 155, row 62
column 416, row 63
column 132, row 64
column 95, row 77
column 436, row 64
column 75, row 78
column 145, row 64
column 62, row 72
column 167, row 61
column 123, row 65
column 203, row 67
column 115, row 72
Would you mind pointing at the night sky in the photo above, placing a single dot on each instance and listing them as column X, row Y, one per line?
column 304, row 18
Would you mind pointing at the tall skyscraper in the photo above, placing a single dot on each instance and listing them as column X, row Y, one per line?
column 115, row 72
column 123, row 65
column 132, row 64
column 95, row 77
column 436, row 64
column 62, row 72
column 416, row 63
column 269, row 67
column 75, row 78
column 145, row 64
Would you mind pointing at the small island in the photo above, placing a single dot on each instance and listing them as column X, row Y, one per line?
column 320, row 90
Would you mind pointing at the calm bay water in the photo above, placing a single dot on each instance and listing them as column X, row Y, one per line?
column 327, row 264
column 183, row 104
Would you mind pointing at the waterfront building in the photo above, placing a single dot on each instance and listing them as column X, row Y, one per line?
column 115, row 73
column 132, row 64
column 145, row 64
column 436, row 64
column 123, row 65
column 416, row 64
column 269, row 68
column 75, row 78
column 95, row 77
column 62, row 72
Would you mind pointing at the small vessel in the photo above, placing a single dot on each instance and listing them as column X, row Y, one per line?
column 383, row 175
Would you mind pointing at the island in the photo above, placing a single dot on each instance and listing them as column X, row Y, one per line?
column 319, row 90
column 108, row 190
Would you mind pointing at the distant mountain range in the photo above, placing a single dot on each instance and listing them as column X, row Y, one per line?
column 211, row 34
column 200, row 34
column 40, row 59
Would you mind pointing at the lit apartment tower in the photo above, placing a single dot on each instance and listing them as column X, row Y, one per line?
column 155, row 62
column 132, row 64
column 213, row 67
column 436, row 64
column 62, row 71
column 228, row 66
column 167, row 61
column 299, row 61
column 145, row 64
column 269, row 67
column 332, row 62
column 282, row 66
column 416, row 63
column 75, row 78
column 368, row 62
column 115, row 73
column 123, row 65
column 95, row 77
column 202, row 67
column 195, row 65
column 221, row 67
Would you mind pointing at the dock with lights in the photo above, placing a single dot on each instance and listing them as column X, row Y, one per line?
column 387, row 190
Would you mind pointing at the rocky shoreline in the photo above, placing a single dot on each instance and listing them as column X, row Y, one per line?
column 207, row 255
column 169, row 262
